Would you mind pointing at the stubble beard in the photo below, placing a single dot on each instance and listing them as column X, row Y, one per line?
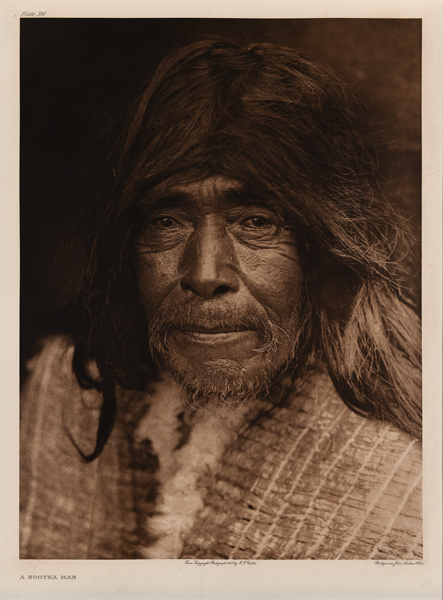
column 224, row 381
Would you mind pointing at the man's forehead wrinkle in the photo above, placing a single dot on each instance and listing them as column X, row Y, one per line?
column 228, row 192
column 210, row 187
column 217, row 185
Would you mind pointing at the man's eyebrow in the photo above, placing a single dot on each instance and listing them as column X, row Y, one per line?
column 237, row 196
column 245, row 197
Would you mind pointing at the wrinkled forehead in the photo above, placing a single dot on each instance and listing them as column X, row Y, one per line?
column 214, row 190
column 215, row 186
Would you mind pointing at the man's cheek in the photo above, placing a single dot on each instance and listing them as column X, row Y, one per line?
column 158, row 277
column 273, row 279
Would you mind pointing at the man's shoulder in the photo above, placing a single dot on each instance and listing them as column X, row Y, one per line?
column 52, row 361
column 69, row 508
column 314, row 480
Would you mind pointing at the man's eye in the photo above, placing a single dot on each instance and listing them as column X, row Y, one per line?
column 257, row 222
column 164, row 223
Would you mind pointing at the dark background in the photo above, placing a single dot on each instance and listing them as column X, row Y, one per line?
column 71, row 69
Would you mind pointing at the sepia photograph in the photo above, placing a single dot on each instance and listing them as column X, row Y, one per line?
column 220, row 228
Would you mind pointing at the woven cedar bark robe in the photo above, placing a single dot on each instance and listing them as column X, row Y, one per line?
column 307, row 479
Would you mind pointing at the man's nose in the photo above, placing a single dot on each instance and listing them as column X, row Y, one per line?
column 208, row 268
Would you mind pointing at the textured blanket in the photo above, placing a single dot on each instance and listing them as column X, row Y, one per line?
column 306, row 479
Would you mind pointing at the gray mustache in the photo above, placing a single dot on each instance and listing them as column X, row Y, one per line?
column 187, row 316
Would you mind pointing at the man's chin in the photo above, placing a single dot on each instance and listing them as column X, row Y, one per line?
column 221, row 381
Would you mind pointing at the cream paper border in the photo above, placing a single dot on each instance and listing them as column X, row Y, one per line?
column 157, row 580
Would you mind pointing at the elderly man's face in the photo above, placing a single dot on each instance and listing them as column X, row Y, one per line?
column 220, row 281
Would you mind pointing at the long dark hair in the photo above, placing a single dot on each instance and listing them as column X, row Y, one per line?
column 288, row 129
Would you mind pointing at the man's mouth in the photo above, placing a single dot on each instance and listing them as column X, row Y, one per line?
column 212, row 334
column 212, row 329
column 215, row 337
column 223, row 340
